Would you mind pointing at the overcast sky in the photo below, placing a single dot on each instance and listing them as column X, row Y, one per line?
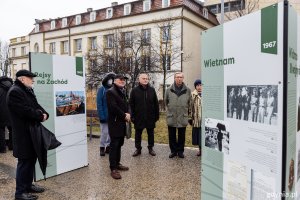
column 17, row 17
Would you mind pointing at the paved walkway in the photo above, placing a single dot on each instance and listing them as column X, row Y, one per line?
column 149, row 177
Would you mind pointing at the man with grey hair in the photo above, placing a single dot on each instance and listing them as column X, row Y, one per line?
column 24, row 110
column 144, row 113
column 177, row 101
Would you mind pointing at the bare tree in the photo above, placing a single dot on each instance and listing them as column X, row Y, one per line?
column 242, row 8
column 5, row 61
column 169, row 51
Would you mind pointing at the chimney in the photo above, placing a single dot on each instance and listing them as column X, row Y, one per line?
column 115, row 3
column 89, row 9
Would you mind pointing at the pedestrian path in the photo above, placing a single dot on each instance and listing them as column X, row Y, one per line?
column 149, row 177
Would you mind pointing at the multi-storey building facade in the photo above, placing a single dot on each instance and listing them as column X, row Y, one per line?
column 232, row 8
column 76, row 35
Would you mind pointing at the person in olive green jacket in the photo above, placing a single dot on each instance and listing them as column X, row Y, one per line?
column 178, row 97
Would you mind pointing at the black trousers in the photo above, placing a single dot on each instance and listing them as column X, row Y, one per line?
column 115, row 151
column 2, row 138
column 24, row 175
column 176, row 145
column 138, row 138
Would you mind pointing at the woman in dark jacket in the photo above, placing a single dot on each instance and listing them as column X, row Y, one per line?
column 24, row 110
column 5, row 84
column 144, row 113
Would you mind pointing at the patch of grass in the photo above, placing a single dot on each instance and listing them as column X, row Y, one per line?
column 160, row 132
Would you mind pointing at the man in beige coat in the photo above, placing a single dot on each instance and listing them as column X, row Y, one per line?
column 177, row 99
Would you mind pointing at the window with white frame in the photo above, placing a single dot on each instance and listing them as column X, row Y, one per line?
column 109, row 13
column 127, row 9
column 128, row 39
column 52, row 48
column 78, row 45
column 93, row 16
column 109, row 41
column 23, row 51
column 146, row 36
column 78, row 19
column 52, row 26
column 93, row 43
column 146, row 5
column 128, row 62
column 37, row 28
column 166, row 62
column 110, row 63
column 64, row 22
column 65, row 46
column 205, row 13
column 165, row 3
column 146, row 63
column 166, row 36
column 13, row 53
column 36, row 47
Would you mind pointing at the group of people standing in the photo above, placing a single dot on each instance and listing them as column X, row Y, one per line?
column 115, row 109
column 256, row 104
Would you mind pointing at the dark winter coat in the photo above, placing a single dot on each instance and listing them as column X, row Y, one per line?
column 5, row 84
column 144, row 107
column 24, row 111
column 101, row 99
column 117, row 107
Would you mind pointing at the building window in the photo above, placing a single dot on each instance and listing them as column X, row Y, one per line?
column 165, row 3
column 64, row 22
column 146, row 36
column 166, row 62
column 92, row 16
column 37, row 28
column 146, row 5
column 109, row 13
column 23, row 51
column 78, row 19
column 109, row 41
column 226, row 7
column 65, row 47
column 214, row 9
column 52, row 48
column 110, row 64
column 128, row 62
column 93, row 43
column 146, row 63
column 128, row 39
column 205, row 13
column 13, row 52
column 36, row 47
column 52, row 25
column 127, row 9
column 166, row 36
column 78, row 45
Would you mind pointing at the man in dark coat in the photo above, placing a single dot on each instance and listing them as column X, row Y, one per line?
column 24, row 110
column 144, row 113
column 118, row 115
column 5, row 84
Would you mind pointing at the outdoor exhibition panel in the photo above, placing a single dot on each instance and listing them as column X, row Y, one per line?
column 60, row 89
column 251, row 92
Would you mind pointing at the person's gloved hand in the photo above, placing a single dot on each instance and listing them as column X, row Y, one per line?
column 190, row 122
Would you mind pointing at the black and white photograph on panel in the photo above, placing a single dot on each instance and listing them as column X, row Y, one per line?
column 298, row 166
column 217, row 135
column 254, row 103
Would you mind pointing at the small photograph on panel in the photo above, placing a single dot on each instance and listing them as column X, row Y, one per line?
column 298, row 166
column 298, row 114
column 69, row 103
column 253, row 103
column 291, row 175
column 217, row 135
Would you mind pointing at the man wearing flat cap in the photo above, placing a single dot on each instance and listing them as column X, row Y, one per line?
column 24, row 110
column 118, row 115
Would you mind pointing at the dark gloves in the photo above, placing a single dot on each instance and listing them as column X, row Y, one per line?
column 190, row 122
column 103, row 121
